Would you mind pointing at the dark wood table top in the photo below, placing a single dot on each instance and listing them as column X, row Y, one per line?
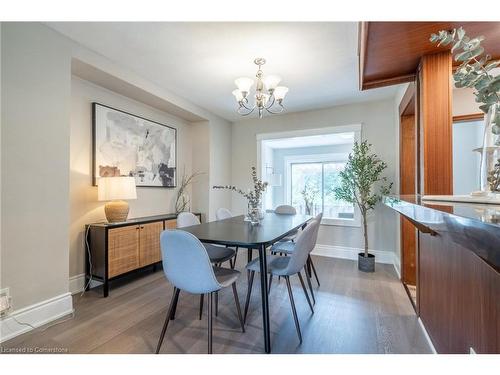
column 237, row 232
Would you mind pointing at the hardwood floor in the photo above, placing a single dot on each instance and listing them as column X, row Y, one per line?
column 355, row 312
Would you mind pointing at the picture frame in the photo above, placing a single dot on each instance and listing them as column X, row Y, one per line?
column 125, row 144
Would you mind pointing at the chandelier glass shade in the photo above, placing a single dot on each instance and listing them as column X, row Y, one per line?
column 268, row 95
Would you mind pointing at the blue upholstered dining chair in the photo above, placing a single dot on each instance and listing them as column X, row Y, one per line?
column 217, row 254
column 223, row 214
column 286, row 267
column 288, row 247
column 286, row 209
column 187, row 266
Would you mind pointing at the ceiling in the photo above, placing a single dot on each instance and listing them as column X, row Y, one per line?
column 391, row 51
column 311, row 140
column 200, row 61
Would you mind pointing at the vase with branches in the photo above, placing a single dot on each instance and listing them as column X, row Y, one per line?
column 182, row 201
column 253, row 197
column 476, row 71
column 362, row 184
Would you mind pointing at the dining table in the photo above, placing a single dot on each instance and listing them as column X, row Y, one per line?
column 236, row 232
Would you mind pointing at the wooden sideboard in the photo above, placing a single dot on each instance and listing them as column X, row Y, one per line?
column 116, row 249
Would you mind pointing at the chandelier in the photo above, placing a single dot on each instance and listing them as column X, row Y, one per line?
column 268, row 95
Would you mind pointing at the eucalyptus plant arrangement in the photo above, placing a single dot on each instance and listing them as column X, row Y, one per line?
column 476, row 71
column 362, row 183
column 182, row 200
column 254, row 197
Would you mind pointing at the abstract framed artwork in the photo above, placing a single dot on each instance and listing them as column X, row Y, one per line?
column 128, row 145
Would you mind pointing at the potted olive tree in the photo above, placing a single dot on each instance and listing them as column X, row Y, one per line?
column 362, row 184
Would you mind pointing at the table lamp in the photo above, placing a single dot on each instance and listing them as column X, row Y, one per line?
column 116, row 189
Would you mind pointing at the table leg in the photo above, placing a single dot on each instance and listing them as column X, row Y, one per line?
column 265, row 300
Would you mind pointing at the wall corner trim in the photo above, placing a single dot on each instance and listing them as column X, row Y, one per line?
column 35, row 315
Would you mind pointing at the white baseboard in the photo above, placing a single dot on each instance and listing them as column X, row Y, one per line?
column 428, row 338
column 397, row 266
column 35, row 315
column 332, row 251
column 77, row 283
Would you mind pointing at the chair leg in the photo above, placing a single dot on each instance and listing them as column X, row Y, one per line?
column 308, row 278
column 308, row 266
column 216, row 303
column 201, row 305
column 314, row 270
column 290, row 294
column 167, row 319
column 210, row 312
column 270, row 283
column 305, row 291
column 249, row 292
column 238, row 307
column 176, row 301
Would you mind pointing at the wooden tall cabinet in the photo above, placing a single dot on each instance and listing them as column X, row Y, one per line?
column 116, row 249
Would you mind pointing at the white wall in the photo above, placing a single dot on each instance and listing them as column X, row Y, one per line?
column 220, row 165
column 467, row 136
column 200, row 137
column 378, row 121
column 83, row 196
column 36, row 67
column 464, row 102
column 1, row 283
column 397, row 100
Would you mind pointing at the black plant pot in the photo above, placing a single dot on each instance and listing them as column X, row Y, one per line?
column 366, row 264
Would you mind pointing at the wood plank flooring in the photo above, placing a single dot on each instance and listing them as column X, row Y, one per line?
column 355, row 312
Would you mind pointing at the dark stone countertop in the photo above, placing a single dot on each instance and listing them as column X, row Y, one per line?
column 471, row 225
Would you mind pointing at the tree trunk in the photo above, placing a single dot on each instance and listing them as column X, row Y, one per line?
column 365, row 233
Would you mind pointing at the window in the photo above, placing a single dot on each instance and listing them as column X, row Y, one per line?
column 308, row 163
column 310, row 183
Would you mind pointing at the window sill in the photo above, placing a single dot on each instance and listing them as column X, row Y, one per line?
column 341, row 222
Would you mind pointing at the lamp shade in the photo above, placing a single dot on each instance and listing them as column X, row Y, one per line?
column 244, row 84
column 280, row 92
column 271, row 82
column 238, row 95
column 116, row 188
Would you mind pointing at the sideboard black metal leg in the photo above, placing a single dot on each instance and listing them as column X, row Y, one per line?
column 265, row 299
column 105, row 288
column 87, row 284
